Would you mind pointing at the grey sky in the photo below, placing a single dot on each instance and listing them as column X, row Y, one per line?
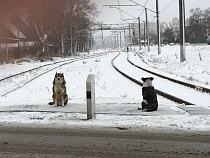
column 111, row 15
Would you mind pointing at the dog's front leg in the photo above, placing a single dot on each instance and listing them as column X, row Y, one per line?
column 56, row 101
column 62, row 102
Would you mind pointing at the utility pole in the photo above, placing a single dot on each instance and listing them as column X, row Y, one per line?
column 112, row 43
column 88, row 44
column 158, row 27
column 115, row 41
column 102, row 36
column 91, row 39
column 158, row 23
column 157, row 14
column 144, row 34
column 182, row 30
column 125, row 39
column 120, row 40
column 147, row 28
column 117, row 35
column 134, row 37
column 71, row 40
column 130, row 36
column 139, row 33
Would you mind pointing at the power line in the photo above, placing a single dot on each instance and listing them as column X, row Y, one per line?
column 138, row 9
column 168, row 6
column 119, row 9
column 146, row 3
column 144, row 6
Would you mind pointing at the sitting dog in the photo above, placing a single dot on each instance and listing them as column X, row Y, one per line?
column 149, row 102
column 59, row 90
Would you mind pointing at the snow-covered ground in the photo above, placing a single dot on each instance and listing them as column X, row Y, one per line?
column 195, row 69
column 117, row 98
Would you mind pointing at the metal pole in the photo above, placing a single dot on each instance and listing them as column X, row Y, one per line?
column 71, row 40
column 130, row 36
column 134, row 38
column 102, row 36
column 125, row 39
column 120, row 40
column 139, row 33
column 112, row 43
column 90, row 39
column 115, row 43
column 117, row 35
column 144, row 35
column 182, row 30
column 88, row 44
column 158, row 27
column 147, row 27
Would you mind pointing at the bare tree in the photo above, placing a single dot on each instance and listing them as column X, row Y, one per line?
column 199, row 23
column 59, row 23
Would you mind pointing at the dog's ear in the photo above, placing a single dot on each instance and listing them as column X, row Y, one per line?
column 151, row 78
column 143, row 79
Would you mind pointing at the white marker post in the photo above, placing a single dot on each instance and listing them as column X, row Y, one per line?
column 90, row 96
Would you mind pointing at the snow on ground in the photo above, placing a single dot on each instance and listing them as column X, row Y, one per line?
column 185, row 93
column 117, row 98
column 195, row 69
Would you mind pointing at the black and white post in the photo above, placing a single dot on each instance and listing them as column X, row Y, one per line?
column 90, row 96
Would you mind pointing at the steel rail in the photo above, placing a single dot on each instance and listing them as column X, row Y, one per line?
column 159, row 92
column 200, row 88
column 36, row 68
column 65, row 63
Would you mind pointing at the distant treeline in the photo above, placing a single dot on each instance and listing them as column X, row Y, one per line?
column 197, row 28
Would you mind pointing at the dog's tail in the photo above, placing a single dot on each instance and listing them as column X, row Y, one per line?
column 50, row 103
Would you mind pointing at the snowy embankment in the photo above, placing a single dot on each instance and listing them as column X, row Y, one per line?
column 196, row 68
column 117, row 98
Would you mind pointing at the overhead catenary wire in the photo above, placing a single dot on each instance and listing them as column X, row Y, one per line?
column 121, row 11
column 144, row 6
column 168, row 6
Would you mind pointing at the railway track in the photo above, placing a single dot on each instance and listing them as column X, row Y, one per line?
column 200, row 88
column 162, row 83
column 37, row 72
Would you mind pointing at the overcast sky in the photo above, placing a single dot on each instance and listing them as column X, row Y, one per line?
column 168, row 8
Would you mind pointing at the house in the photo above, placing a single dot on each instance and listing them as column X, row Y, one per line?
column 16, row 29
